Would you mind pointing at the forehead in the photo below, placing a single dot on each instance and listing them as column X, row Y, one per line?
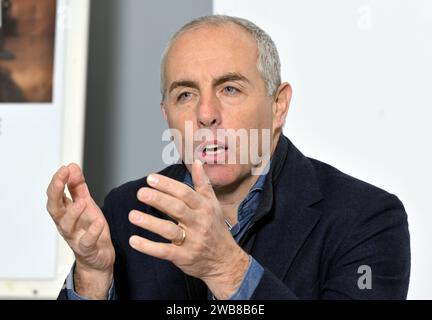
column 208, row 51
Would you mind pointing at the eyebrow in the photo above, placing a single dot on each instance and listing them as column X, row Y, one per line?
column 231, row 76
column 183, row 83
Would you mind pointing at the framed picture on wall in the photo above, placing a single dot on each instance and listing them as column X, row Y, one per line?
column 27, row 36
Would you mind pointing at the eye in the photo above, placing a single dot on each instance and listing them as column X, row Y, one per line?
column 230, row 90
column 184, row 96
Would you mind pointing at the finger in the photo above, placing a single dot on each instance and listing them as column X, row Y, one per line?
column 176, row 189
column 69, row 221
column 167, row 229
column 201, row 181
column 66, row 200
column 166, row 251
column 76, row 182
column 89, row 239
column 173, row 207
column 55, row 192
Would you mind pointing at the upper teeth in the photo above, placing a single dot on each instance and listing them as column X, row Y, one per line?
column 213, row 148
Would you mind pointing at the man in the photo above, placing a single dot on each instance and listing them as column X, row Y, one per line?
column 208, row 229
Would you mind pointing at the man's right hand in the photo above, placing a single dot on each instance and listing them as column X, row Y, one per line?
column 84, row 227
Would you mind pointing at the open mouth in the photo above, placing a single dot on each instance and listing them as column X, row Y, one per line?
column 214, row 149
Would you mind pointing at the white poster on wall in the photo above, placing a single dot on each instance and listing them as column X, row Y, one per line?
column 43, row 46
column 31, row 104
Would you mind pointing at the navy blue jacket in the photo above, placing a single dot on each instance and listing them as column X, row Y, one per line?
column 313, row 232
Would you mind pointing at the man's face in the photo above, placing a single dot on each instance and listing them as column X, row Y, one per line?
column 213, row 82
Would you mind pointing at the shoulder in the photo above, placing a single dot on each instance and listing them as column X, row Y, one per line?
column 341, row 188
column 353, row 206
column 362, row 222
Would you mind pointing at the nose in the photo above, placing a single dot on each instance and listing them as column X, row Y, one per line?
column 208, row 113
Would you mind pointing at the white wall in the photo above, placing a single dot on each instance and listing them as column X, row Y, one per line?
column 361, row 73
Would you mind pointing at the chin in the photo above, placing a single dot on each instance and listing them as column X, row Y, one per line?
column 222, row 175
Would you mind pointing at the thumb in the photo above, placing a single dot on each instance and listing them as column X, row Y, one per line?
column 201, row 181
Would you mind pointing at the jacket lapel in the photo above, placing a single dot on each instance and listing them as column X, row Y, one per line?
column 286, row 216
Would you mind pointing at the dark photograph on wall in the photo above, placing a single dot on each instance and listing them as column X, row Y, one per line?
column 27, row 29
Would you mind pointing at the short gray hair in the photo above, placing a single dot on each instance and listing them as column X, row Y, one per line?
column 268, row 62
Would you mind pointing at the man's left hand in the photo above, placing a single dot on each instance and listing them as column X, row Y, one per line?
column 208, row 250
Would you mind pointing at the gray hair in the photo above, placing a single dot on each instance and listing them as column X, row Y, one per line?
column 268, row 63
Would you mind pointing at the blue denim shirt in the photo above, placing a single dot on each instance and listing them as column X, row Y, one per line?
column 246, row 211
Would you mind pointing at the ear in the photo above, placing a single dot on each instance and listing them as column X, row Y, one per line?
column 162, row 106
column 281, row 105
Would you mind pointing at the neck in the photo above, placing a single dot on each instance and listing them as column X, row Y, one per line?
column 231, row 196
